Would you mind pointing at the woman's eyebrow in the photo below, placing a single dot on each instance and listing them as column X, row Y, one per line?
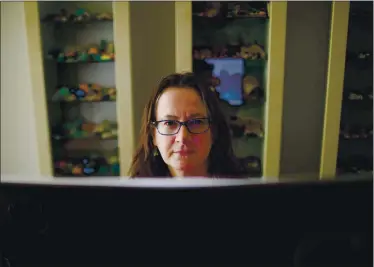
column 173, row 117
column 197, row 115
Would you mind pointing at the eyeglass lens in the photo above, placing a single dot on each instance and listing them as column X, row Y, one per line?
column 170, row 127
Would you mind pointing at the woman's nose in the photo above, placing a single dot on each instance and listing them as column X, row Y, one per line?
column 183, row 134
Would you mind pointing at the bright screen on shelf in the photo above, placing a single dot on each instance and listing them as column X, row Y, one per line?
column 230, row 71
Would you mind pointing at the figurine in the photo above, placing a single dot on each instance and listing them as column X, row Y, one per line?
column 61, row 94
column 54, row 53
column 106, row 130
column 196, row 54
column 242, row 9
column 110, row 48
column 61, row 57
column 213, row 9
column 112, row 94
column 81, row 15
column 104, row 16
column 248, row 127
column 251, row 89
column 252, row 164
column 93, row 50
column 62, row 17
column 355, row 96
column 363, row 55
column 90, row 166
column 205, row 53
column 105, row 57
column 252, row 52
column 82, row 56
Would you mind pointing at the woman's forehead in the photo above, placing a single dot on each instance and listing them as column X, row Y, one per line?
column 180, row 102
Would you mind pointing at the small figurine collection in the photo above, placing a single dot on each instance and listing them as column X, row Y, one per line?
column 95, row 165
column 250, row 52
column 355, row 164
column 348, row 131
column 359, row 95
column 363, row 56
column 94, row 53
column 234, row 9
column 243, row 9
column 361, row 60
column 246, row 127
column 80, row 129
column 84, row 92
column 80, row 15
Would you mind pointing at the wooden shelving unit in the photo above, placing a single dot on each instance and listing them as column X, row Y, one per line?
column 74, row 57
column 355, row 153
column 217, row 35
column 348, row 140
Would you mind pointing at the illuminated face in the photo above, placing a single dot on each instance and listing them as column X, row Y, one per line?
column 184, row 152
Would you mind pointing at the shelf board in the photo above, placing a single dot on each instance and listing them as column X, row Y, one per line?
column 80, row 101
column 54, row 60
column 251, row 104
column 88, row 138
column 248, row 139
column 86, row 62
column 247, row 62
column 358, row 104
column 85, row 176
column 70, row 23
column 222, row 21
column 370, row 139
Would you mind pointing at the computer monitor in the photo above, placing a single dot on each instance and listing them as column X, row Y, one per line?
column 320, row 223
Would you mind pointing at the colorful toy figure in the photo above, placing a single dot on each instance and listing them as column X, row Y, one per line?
column 88, row 166
column 252, row 164
column 79, row 93
column 248, row 127
column 102, row 52
column 106, row 130
column 104, row 16
column 81, row 15
column 85, row 92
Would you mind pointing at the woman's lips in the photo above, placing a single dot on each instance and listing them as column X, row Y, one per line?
column 184, row 152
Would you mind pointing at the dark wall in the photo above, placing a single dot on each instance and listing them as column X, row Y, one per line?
column 307, row 46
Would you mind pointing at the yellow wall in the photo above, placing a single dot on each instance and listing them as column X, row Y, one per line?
column 275, row 88
column 307, row 49
column 19, row 150
column 334, row 92
column 152, row 50
column 123, row 76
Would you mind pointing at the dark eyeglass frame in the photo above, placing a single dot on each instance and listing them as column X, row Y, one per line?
column 182, row 123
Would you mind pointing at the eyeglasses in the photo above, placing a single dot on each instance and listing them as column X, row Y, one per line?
column 171, row 127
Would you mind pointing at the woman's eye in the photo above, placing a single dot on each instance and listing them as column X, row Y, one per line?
column 169, row 123
column 196, row 122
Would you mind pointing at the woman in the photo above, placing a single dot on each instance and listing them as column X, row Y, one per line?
column 184, row 133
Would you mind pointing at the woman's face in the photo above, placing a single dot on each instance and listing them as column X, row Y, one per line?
column 184, row 152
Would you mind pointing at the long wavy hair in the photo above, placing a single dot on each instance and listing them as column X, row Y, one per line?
column 221, row 159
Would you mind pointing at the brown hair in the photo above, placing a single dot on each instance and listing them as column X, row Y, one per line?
column 221, row 161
